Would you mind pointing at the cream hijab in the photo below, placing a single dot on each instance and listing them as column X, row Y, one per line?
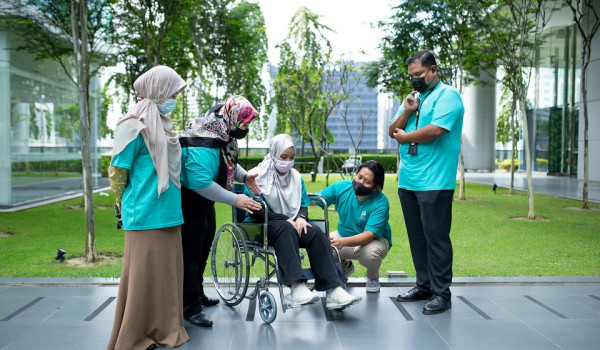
column 155, row 86
column 284, row 200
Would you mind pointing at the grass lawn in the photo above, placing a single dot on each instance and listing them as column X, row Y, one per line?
column 489, row 236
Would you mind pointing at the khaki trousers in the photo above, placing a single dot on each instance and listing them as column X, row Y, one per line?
column 369, row 255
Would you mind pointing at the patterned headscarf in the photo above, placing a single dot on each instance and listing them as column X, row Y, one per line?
column 155, row 86
column 218, row 124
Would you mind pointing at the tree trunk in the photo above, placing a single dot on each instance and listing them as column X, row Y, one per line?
column 585, row 57
column 531, row 213
column 513, row 144
column 80, row 47
column 461, row 170
column 327, row 168
column 315, row 169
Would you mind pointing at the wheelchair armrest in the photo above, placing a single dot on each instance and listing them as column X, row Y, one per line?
column 316, row 197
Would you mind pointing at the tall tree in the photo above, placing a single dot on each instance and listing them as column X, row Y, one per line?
column 587, row 22
column 516, row 34
column 72, row 34
column 300, row 98
column 143, row 35
column 79, row 30
column 245, row 51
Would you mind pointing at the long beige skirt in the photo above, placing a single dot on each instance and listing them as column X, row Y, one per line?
column 150, row 301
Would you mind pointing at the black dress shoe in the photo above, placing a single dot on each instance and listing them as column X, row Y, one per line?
column 200, row 319
column 436, row 305
column 414, row 295
column 206, row 301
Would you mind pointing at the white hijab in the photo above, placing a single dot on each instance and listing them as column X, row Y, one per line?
column 286, row 200
column 155, row 86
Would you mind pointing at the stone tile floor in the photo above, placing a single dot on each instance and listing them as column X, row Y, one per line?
column 486, row 313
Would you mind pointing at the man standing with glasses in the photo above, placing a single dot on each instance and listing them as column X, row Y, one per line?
column 428, row 127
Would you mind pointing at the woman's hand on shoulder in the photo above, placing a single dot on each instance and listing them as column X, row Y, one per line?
column 246, row 203
column 252, row 184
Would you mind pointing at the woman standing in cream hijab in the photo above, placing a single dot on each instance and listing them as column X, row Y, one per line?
column 144, row 175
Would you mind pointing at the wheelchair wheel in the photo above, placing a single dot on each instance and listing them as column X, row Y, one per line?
column 230, row 264
column 267, row 307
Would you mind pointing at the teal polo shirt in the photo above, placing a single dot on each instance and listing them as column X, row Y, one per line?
column 141, row 207
column 199, row 166
column 371, row 214
column 434, row 166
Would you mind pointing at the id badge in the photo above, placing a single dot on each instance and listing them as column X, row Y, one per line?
column 412, row 148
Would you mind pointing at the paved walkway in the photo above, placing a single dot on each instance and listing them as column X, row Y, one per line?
column 487, row 313
column 559, row 186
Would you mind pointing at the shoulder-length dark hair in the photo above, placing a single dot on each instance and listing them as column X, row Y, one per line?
column 377, row 169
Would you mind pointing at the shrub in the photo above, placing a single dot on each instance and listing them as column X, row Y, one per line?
column 104, row 163
column 505, row 164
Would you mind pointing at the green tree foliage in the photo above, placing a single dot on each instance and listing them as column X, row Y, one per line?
column 245, row 51
column 449, row 28
column 300, row 97
column 44, row 29
column 505, row 116
column 67, row 123
column 145, row 37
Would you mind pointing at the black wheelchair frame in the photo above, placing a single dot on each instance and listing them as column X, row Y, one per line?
column 235, row 248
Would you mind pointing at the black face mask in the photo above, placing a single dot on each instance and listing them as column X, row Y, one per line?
column 239, row 133
column 360, row 189
column 419, row 85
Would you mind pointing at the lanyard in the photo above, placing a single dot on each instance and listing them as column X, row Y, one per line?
column 418, row 112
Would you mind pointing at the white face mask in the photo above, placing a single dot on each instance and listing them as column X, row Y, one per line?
column 168, row 107
column 284, row 166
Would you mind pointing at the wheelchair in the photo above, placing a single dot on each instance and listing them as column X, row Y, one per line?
column 236, row 247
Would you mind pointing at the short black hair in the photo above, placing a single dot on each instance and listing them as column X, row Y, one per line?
column 426, row 57
column 377, row 169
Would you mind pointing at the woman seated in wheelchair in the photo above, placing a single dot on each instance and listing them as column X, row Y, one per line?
column 283, row 191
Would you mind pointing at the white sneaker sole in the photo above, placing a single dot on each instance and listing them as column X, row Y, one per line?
column 312, row 300
column 332, row 306
column 373, row 289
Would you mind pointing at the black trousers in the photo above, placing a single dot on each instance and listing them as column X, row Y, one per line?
column 428, row 217
column 197, row 234
column 284, row 238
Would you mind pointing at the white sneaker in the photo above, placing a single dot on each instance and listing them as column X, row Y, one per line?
column 302, row 295
column 339, row 298
column 372, row 286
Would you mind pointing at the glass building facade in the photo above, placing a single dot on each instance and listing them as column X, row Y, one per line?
column 39, row 128
column 553, row 105
column 555, row 94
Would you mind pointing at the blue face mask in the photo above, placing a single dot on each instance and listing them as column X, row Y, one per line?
column 168, row 107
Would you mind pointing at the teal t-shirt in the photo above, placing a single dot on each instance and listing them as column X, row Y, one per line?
column 434, row 166
column 304, row 200
column 371, row 214
column 141, row 207
column 199, row 166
